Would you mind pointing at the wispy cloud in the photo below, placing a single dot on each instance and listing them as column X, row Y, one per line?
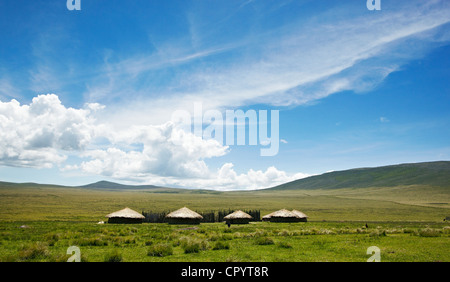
column 384, row 119
column 235, row 57
column 8, row 90
column 294, row 64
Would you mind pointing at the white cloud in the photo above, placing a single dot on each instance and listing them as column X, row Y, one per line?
column 164, row 150
column 384, row 119
column 37, row 135
column 227, row 179
column 7, row 89
column 172, row 157
column 294, row 64
column 43, row 134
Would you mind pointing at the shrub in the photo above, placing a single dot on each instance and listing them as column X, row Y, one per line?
column 428, row 232
column 34, row 251
column 194, row 245
column 113, row 256
column 160, row 250
column 52, row 239
column 264, row 241
column 446, row 230
column 408, row 230
column 91, row 242
column 201, row 231
column 129, row 240
column 221, row 245
column 378, row 233
column 284, row 245
column 227, row 237
column 233, row 259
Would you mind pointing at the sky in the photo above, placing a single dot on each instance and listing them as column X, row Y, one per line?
column 91, row 94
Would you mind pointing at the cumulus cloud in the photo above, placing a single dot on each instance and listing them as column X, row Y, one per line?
column 37, row 135
column 172, row 157
column 43, row 134
column 254, row 179
column 163, row 150
column 227, row 179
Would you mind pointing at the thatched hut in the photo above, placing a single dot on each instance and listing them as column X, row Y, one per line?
column 284, row 216
column 126, row 215
column 303, row 217
column 184, row 216
column 238, row 217
column 267, row 217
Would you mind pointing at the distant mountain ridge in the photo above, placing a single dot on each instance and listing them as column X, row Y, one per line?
column 116, row 186
column 426, row 173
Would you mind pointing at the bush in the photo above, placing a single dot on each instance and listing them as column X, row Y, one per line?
column 428, row 232
column 160, row 250
column 378, row 233
column 90, row 242
column 285, row 232
column 34, row 251
column 220, row 245
column 113, row 256
column 52, row 239
column 284, row 245
column 408, row 231
column 194, row 245
column 446, row 230
column 264, row 241
column 129, row 240
column 233, row 259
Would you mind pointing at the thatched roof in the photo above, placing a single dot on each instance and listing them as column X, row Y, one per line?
column 126, row 213
column 281, row 213
column 184, row 213
column 299, row 214
column 238, row 214
column 267, row 216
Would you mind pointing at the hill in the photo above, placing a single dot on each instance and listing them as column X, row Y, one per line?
column 117, row 186
column 408, row 192
column 428, row 174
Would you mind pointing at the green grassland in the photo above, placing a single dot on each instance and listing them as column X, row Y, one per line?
column 255, row 242
column 40, row 223
column 403, row 206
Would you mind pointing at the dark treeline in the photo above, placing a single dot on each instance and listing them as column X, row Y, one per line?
column 211, row 216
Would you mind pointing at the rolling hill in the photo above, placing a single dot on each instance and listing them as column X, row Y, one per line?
column 436, row 174
column 416, row 192
column 117, row 186
column 428, row 174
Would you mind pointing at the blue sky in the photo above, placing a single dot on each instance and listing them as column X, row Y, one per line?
column 88, row 95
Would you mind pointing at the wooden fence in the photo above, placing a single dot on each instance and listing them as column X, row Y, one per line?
column 211, row 216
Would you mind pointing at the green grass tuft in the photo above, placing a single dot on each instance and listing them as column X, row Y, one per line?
column 160, row 250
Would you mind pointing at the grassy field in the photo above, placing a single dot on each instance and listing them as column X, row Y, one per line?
column 406, row 223
column 367, row 204
column 255, row 242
